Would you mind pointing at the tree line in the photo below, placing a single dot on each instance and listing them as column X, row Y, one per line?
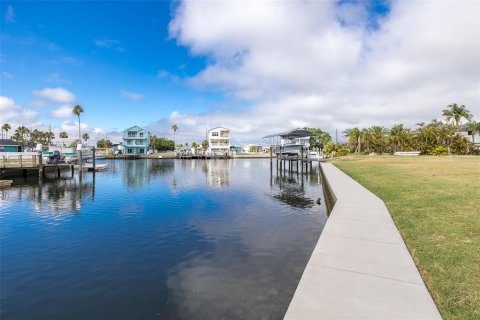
column 433, row 138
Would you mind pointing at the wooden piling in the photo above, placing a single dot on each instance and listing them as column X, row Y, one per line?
column 93, row 159
column 80, row 163
column 40, row 166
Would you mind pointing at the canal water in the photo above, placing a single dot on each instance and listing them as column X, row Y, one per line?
column 158, row 239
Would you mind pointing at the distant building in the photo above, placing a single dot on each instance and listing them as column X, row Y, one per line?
column 252, row 148
column 219, row 141
column 9, row 145
column 135, row 140
column 469, row 134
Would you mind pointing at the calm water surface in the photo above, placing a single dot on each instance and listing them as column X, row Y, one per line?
column 158, row 239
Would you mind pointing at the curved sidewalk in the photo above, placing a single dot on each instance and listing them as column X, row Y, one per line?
column 360, row 267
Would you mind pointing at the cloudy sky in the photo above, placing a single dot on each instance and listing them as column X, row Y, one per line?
column 255, row 67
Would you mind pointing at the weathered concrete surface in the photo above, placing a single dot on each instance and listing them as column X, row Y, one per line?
column 360, row 268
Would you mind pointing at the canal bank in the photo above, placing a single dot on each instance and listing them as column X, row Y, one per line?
column 360, row 267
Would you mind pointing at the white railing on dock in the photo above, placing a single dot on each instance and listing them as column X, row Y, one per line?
column 18, row 159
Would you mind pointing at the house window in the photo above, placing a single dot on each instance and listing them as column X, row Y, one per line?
column 142, row 150
column 141, row 134
column 214, row 134
column 129, row 151
column 131, row 134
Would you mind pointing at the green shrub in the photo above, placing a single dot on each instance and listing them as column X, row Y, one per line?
column 440, row 150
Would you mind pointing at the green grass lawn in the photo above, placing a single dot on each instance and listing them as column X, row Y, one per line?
column 435, row 203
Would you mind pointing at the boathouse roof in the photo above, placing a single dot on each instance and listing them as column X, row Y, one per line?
column 295, row 133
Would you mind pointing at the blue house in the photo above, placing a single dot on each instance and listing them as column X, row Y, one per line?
column 135, row 140
column 8, row 145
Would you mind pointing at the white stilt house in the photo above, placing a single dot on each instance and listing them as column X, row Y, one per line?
column 219, row 141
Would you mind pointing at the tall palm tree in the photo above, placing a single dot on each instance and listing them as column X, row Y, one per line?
column 455, row 113
column 174, row 128
column 5, row 128
column 77, row 110
column 63, row 135
column 85, row 137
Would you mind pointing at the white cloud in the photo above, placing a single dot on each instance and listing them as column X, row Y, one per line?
column 322, row 63
column 38, row 103
column 131, row 95
column 62, row 112
column 13, row 114
column 55, row 94
column 10, row 14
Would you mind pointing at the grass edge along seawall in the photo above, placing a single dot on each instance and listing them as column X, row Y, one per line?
column 435, row 204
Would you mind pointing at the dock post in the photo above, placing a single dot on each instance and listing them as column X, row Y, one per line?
column 58, row 172
column 301, row 161
column 72, row 169
column 93, row 159
column 80, row 163
column 40, row 166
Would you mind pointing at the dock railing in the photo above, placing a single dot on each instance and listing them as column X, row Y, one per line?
column 19, row 159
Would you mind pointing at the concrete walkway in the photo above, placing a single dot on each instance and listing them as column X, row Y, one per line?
column 360, row 268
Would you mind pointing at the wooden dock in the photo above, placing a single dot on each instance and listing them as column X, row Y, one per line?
column 29, row 163
column 5, row 183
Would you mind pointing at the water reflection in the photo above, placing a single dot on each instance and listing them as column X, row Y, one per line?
column 167, row 239
column 289, row 187
column 52, row 196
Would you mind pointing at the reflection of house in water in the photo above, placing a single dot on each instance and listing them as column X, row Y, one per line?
column 218, row 172
column 290, row 190
column 140, row 172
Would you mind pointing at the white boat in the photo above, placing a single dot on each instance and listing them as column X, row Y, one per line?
column 292, row 142
column 315, row 155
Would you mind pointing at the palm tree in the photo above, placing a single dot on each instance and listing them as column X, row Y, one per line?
column 5, row 128
column 455, row 113
column 76, row 111
column 85, row 137
column 354, row 136
column 174, row 128
column 63, row 135
column 377, row 136
column 21, row 134
column 50, row 136
column 399, row 137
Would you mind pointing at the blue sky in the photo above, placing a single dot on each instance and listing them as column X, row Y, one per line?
column 97, row 50
column 254, row 67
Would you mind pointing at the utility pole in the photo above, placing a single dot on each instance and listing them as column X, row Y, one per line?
column 336, row 136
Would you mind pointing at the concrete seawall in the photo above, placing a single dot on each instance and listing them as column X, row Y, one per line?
column 360, row 267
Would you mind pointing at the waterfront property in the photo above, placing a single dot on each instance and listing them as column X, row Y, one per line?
column 9, row 145
column 219, row 141
column 291, row 143
column 136, row 141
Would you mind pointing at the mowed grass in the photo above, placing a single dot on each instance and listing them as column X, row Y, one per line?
column 435, row 203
